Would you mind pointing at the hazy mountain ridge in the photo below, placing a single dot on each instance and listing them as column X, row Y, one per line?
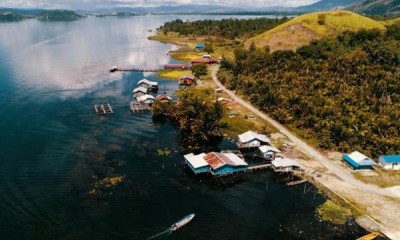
column 327, row 5
column 377, row 7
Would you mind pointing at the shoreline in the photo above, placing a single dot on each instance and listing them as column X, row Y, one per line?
column 328, row 182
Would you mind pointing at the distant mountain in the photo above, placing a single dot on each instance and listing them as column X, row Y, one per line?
column 26, row 12
column 377, row 7
column 327, row 5
column 166, row 9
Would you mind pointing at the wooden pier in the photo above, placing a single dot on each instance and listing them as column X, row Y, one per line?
column 103, row 109
column 136, row 70
column 138, row 107
column 259, row 167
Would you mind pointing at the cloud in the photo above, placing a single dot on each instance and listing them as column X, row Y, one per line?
column 85, row 4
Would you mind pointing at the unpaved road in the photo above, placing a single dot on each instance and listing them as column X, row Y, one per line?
column 304, row 147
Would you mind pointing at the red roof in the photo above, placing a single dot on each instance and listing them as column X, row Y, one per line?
column 187, row 76
column 205, row 60
column 163, row 97
column 215, row 160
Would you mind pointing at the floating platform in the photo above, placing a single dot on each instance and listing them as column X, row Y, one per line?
column 103, row 109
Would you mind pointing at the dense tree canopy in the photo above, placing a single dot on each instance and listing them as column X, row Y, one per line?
column 198, row 116
column 226, row 28
column 344, row 92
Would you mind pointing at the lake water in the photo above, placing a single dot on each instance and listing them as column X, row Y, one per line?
column 54, row 150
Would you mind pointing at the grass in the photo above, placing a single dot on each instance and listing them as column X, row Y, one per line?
column 332, row 212
column 237, row 125
column 173, row 75
column 185, row 54
column 305, row 28
column 380, row 177
column 391, row 21
column 171, row 37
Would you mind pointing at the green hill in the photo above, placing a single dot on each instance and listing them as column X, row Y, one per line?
column 392, row 21
column 305, row 28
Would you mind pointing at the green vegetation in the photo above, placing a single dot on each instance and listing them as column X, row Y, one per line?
column 199, row 70
column 10, row 16
column 197, row 115
column 330, row 211
column 305, row 28
column 226, row 28
column 173, row 75
column 58, row 15
column 343, row 91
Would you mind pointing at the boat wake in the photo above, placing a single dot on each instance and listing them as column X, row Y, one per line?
column 164, row 233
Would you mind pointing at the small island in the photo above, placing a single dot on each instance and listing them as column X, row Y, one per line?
column 11, row 16
column 58, row 15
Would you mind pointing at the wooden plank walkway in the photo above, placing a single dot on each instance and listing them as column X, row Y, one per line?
column 139, row 70
column 259, row 167
column 103, row 109
column 294, row 183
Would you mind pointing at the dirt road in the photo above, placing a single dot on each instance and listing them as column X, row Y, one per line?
column 304, row 147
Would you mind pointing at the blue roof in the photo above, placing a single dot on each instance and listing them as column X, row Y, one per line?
column 391, row 158
column 351, row 161
column 199, row 45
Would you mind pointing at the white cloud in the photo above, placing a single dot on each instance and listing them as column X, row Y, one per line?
column 83, row 4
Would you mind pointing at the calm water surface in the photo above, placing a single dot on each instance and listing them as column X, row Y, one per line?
column 55, row 152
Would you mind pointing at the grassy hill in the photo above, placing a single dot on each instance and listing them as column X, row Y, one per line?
column 377, row 7
column 392, row 21
column 305, row 28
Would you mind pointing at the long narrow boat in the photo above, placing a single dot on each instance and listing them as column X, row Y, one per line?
column 182, row 222
column 370, row 236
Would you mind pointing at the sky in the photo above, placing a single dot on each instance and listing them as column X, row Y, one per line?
column 90, row 4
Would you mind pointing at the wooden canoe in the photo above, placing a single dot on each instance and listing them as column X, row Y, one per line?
column 370, row 236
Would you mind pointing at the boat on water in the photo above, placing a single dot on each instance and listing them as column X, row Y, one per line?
column 182, row 222
column 370, row 236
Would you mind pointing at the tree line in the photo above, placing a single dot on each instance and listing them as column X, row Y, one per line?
column 343, row 92
column 225, row 28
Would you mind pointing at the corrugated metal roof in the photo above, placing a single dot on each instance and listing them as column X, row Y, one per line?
column 391, row 158
column 163, row 97
column 218, row 160
column 151, row 83
column 360, row 159
column 285, row 162
column 145, row 98
column 197, row 161
column 235, row 159
column 188, row 76
column 140, row 89
column 250, row 136
column 265, row 149
column 214, row 160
